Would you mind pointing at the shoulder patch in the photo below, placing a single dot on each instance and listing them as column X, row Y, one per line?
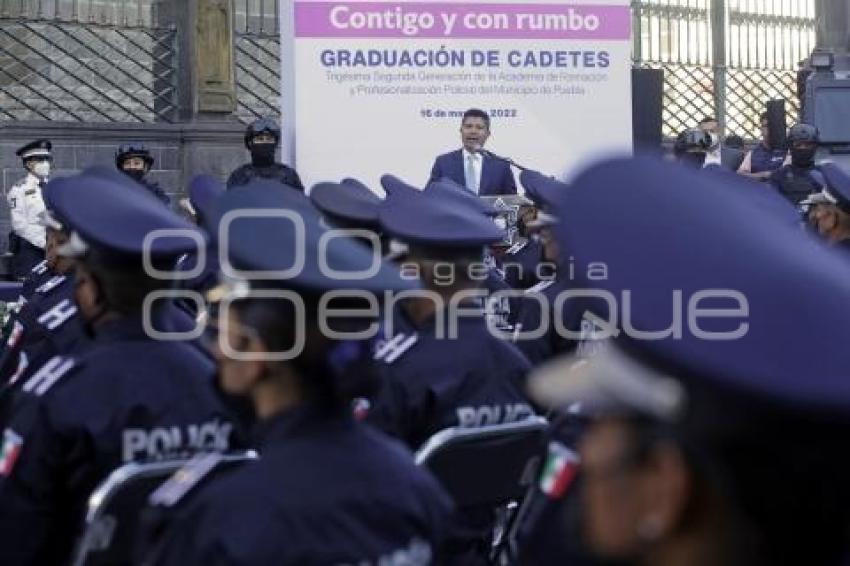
column 390, row 350
column 516, row 247
column 47, row 376
column 40, row 268
column 15, row 335
column 559, row 471
column 12, row 444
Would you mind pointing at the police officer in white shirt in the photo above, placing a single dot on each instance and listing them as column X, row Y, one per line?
column 26, row 241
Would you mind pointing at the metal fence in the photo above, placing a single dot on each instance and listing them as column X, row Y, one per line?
column 724, row 59
column 86, row 61
column 114, row 60
column 257, row 56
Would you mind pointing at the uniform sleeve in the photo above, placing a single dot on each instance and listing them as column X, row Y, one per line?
column 24, row 222
column 34, row 529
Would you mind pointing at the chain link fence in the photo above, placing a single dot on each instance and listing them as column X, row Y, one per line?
column 86, row 61
column 727, row 63
column 114, row 60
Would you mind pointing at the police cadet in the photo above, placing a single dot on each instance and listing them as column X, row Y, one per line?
column 706, row 446
column 46, row 325
column 135, row 160
column 326, row 489
column 830, row 214
column 130, row 396
column 441, row 365
column 26, row 241
column 801, row 177
column 262, row 138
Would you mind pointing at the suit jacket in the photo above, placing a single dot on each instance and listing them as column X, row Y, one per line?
column 496, row 175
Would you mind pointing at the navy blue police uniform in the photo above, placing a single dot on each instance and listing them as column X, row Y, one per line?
column 764, row 159
column 730, row 366
column 553, row 307
column 47, row 326
column 137, row 149
column 128, row 397
column 326, row 488
column 429, row 382
column 263, row 165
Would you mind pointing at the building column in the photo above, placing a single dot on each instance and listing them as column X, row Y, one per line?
column 206, row 88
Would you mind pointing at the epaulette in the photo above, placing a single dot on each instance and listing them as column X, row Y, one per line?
column 184, row 480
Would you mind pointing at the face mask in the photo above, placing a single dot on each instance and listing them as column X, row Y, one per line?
column 135, row 174
column 262, row 154
column 803, row 157
column 41, row 169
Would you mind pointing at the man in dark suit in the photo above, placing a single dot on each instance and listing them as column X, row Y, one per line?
column 471, row 167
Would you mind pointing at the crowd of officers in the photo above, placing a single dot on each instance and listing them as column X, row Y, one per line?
column 717, row 441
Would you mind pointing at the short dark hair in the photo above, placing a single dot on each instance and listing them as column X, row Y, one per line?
column 476, row 113
column 707, row 119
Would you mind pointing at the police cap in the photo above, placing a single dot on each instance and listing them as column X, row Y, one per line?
column 350, row 202
column 422, row 218
column 704, row 249
column 37, row 149
column 117, row 222
column 203, row 192
column 451, row 191
column 272, row 236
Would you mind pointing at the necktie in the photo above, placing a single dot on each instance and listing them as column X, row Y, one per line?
column 471, row 178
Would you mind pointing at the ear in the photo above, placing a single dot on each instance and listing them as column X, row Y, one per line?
column 668, row 485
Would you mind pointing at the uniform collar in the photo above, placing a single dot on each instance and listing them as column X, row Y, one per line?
column 131, row 328
column 290, row 422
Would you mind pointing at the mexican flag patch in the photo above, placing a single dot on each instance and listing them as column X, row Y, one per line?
column 559, row 471
column 15, row 335
column 12, row 443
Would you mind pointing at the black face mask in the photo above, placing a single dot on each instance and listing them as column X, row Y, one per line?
column 262, row 154
column 802, row 157
column 135, row 174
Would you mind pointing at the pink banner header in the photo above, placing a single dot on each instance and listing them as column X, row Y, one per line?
column 461, row 20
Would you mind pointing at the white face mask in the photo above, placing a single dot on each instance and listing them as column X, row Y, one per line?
column 41, row 169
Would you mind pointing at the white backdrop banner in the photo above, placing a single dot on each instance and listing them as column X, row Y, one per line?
column 379, row 87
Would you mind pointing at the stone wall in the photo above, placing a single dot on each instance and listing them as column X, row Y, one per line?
column 180, row 151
